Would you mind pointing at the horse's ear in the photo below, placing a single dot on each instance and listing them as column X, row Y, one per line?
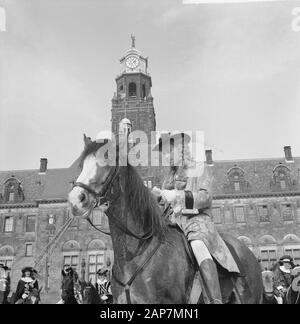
column 86, row 140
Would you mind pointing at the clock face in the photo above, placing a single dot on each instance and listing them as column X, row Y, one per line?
column 132, row 62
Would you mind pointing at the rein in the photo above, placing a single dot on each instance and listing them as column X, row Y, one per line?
column 140, row 268
column 100, row 199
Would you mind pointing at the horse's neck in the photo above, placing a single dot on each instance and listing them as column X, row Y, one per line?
column 125, row 246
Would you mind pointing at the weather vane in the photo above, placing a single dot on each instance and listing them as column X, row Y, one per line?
column 133, row 40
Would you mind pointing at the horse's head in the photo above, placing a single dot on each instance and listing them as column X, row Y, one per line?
column 97, row 161
column 67, row 285
column 89, row 293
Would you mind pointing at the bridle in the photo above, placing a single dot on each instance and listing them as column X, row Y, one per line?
column 99, row 197
column 102, row 198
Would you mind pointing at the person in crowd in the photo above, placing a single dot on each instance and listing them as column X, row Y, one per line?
column 4, row 284
column 26, row 285
column 103, row 286
column 283, row 276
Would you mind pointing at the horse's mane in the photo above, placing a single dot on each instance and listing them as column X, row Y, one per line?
column 141, row 202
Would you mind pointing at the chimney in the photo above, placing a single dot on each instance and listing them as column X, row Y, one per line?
column 43, row 165
column 209, row 159
column 288, row 154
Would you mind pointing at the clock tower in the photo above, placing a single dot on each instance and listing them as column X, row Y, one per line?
column 133, row 99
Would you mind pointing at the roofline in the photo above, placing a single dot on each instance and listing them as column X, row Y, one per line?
column 258, row 159
column 256, row 195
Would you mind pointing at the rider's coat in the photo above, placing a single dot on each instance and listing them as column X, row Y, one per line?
column 198, row 226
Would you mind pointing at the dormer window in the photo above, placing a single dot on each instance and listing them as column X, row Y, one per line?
column 13, row 191
column 236, row 181
column 281, row 178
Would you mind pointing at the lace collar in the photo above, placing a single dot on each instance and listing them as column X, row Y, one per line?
column 283, row 269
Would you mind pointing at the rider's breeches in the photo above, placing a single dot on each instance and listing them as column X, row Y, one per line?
column 200, row 251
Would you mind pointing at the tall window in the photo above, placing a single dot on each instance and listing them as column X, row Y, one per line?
column 30, row 224
column 96, row 262
column 287, row 212
column 143, row 91
column 8, row 224
column 71, row 261
column 237, row 186
column 294, row 252
column 217, row 215
column 240, row 214
column 268, row 257
column 264, row 214
column 29, row 249
column 228, row 216
column 132, row 89
column 11, row 197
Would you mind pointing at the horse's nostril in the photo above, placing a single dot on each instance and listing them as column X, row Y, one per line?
column 82, row 197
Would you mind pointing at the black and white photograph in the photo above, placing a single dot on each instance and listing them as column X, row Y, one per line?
column 150, row 154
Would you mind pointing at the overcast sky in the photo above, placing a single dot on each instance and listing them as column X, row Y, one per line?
column 231, row 70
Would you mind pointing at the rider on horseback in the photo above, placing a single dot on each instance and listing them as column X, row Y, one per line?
column 185, row 192
column 26, row 285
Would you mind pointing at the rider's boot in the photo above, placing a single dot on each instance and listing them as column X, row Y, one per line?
column 208, row 271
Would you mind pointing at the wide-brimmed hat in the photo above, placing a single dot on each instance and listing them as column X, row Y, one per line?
column 27, row 269
column 171, row 138
column 102, row 272
column 286, row 259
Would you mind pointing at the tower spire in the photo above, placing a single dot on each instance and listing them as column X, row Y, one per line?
column 132, row 41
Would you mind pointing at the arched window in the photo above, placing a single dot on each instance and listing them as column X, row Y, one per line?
column 291, row 246
column 281, row 178
column 13, row 191
column 268, row 251
column 143, row 91
column 71, row 250
column 97, row 254
column 132, row 89
column 236, row 181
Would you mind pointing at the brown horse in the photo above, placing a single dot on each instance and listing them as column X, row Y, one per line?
column 152, row 262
